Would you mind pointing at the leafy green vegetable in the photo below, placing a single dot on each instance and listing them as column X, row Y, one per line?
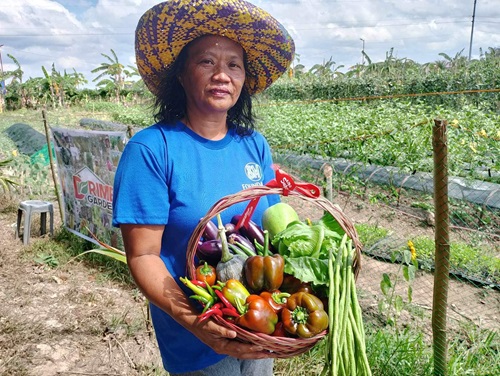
column 308, row 269
column 305, row 248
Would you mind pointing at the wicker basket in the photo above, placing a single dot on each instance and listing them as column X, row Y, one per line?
column 281, row 347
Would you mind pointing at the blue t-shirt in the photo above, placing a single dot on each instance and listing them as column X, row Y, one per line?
column 169, row 175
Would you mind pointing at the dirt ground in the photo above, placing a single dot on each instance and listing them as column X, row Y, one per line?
column 68, row 321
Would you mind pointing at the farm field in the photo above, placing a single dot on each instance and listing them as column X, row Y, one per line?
column 75, row 317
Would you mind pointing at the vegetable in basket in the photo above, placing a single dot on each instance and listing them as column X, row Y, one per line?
column 276, row 299
column 257, row 315
column 292, row 284
column 210, row 232
column 304, row 315
column 230, row 266
column 209, row 251
column 277, row 217
column 242, row 243
column 233, row 290
column 305, row 248
column 206, row 273
column 264, row 272
column 252, row 231
column 345, row 353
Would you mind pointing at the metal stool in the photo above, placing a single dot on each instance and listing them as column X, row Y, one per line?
column 34, row 206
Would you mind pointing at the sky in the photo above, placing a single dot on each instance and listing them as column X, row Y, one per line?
column 73, row 34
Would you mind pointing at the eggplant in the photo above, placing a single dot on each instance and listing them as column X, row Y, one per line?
column 230, row 228
column 210, row 232
column 252, row 231
column 210, row 251
column 243, row 243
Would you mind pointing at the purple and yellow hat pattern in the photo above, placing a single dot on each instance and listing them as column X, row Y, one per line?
column 164, row 30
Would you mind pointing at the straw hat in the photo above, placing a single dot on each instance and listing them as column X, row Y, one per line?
column 167, row 27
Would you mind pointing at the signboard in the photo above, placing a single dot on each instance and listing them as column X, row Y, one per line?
column 87, row 162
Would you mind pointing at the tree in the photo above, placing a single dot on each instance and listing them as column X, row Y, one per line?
column 115, row 70
column 60, row 85
column 326, row 70
column 16, row 82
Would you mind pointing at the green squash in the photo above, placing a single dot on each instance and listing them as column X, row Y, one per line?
column 277, row 217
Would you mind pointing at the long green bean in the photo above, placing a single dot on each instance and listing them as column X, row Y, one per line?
column 346, row 352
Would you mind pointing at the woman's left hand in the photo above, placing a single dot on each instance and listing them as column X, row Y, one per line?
column 222, row 341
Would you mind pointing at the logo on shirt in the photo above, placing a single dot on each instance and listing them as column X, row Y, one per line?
column 253, row 171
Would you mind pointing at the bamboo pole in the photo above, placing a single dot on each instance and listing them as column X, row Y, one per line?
column 328, row 172
column 442, row 244
column 51, row 159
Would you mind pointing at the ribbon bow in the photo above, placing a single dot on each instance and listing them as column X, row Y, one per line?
column 282, row 180
column 285, row 181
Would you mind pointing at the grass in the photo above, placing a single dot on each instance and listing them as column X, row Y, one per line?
column 66, row 248
column 408, row 352
column 480, row 263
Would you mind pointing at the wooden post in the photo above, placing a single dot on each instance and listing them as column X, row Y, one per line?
column 328, row 172
column 51, row 159
column 442, row 244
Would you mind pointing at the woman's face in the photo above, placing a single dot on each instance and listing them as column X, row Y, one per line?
column 214, row 74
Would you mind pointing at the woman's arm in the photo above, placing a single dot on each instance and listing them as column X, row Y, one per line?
column 142, row 245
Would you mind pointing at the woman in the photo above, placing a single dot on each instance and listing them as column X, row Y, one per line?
column 202, row 60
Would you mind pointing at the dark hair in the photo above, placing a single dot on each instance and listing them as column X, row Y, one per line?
column 170, row 102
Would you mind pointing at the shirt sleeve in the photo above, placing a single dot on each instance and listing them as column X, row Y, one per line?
column 140, row 192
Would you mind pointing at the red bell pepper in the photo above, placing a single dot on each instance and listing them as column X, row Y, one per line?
column 276, row 299
column 279, row 330
column 264, row 273
column 257, row 315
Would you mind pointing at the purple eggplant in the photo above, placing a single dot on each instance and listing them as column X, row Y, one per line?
column 210, row 232
column 210, row 251
column 230, row 228
column 243, row 243
column 252, row 231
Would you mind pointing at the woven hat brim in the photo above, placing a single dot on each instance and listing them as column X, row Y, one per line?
column 165, row 29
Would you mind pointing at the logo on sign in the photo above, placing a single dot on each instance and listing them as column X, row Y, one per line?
column 91, row 188
column 253, row 171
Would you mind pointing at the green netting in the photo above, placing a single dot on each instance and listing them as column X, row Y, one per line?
column 28, row 140
column 42, row 156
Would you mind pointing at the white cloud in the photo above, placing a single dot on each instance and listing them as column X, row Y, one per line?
column 74, row 33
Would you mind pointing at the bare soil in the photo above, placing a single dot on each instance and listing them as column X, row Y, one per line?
column 69, row 321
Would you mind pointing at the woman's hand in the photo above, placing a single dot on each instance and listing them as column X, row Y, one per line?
column 222, row 340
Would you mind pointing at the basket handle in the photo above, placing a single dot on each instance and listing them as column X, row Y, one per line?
column 284, row 181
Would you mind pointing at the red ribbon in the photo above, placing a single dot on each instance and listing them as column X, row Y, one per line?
column 282, row 180
column 285, row 181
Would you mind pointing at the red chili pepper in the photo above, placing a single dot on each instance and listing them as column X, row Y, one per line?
column 230, row 312
column 214, row 310
column 228, row 308
column 199, row 283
